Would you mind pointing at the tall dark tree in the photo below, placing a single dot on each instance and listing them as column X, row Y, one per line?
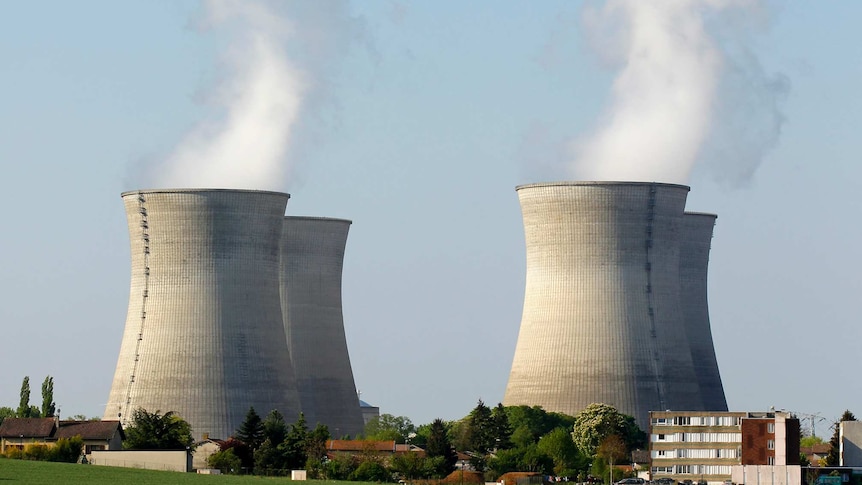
column 48, row 405
column 24, row 402
column 295, row 445
column 156, row 431
column 480, row 429
column 251, row 430
column 832, row 458
column 439, row 445
column 274, row 427
column 500, row 427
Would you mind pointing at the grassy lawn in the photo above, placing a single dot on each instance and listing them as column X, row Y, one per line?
column 37, row 472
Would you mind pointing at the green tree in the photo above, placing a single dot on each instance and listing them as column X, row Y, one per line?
column 241, row 450
column 410, row 466
column 500, row 428
column 528, row 424
column 809, row 441
column 6, row 412
column 480, row 429
column 598, row 421
column 251, row 430
column 612, row 449
column 560, row 447
column 832, row 458
column 156, row 431
column 274, row 427
column 295, row 445
column 388, row 427
column 24, row 409
column 438, row 445
column 226, row 461
column 371, row 471
column 269, row 459
column 48, row 405
column 315, row 447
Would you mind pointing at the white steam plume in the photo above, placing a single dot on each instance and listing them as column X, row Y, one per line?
column 676, row 88
column 273, row 67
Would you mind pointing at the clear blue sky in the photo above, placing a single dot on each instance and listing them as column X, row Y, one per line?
column 424, row 117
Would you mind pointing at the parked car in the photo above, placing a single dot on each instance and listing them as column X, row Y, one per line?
column 664, row 481
column 631, row 481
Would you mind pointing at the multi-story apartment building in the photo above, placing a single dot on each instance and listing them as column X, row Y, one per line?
column 703, row 446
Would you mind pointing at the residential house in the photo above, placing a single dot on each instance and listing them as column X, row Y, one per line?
column 97, row 435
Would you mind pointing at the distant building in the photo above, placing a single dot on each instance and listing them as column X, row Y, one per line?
column 815, row 453
column 369, row 412
column 850, row 433
column 97, row 435
column 703, row 446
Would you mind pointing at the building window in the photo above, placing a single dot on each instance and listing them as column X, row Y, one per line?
column 661, row 437
column 770, row 428
column 770, row 444
column 770, row 460
column 683, row 420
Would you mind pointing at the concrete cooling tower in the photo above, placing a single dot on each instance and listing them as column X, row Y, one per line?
column 693, row 265
column 204, row 335
column 312, row 255
column 602, row 319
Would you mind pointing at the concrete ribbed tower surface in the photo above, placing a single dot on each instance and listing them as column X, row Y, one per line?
column 693, row 267
column 312, row 257
column 204, row 335
column 602, row 320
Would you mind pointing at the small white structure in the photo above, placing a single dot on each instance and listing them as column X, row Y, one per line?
column 298, row 475
column 767, row 474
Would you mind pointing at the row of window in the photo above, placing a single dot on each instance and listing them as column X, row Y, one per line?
column 697, row 453
column 693, row 469
column 697, row 421
column 697, row 437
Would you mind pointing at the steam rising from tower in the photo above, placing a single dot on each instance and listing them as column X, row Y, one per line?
column 677, row 99
column 273, row 74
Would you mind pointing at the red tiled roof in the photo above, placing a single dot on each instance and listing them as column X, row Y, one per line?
column 819, row 448
column 360, row 445
column 89, row 430
column 27, row 428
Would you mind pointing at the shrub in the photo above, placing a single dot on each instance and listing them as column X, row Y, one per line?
column 67, row 450
column 226, row 461
column 371, row 471
column 36, row 451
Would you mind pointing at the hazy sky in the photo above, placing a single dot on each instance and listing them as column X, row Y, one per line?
column 416, row 120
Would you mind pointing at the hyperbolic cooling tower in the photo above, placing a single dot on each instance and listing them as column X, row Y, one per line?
column 602, row 319
column 204, row 335
column 312, row 255
column 693, row 265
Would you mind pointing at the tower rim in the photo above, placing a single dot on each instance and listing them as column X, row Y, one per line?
column 200, row 190
column 597, row 183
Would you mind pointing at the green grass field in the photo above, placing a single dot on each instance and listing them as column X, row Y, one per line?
column 37, row 472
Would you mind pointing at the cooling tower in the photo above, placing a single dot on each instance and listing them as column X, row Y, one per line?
column 312, row 254
column 693, row 265
column 602, row 320
column 204, row 335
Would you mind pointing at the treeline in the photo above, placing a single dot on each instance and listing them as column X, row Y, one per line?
column 522, row 438
column 27, row 410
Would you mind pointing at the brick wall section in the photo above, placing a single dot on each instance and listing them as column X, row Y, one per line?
column 754, row 441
